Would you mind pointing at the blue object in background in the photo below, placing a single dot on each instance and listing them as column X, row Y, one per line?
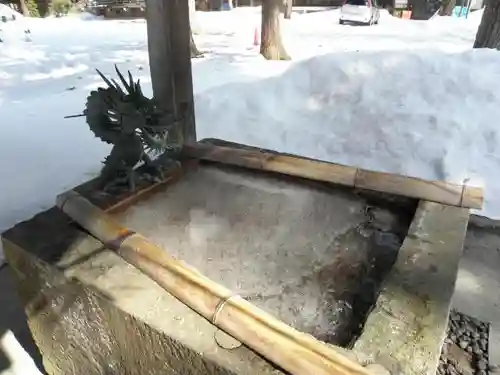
column 225, row 5
column 459, row 12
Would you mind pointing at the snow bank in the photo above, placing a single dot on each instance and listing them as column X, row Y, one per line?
column 425, row 114
column 6, row 11
column 14, row 30
column 476, row 16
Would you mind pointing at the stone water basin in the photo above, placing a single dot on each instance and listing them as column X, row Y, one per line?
column 311, row 254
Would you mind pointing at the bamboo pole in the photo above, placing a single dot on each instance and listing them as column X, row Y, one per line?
column 435, row 191
column 293, row 351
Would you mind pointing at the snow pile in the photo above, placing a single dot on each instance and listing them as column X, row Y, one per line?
column 475, row 16
column 9, row 13
column 425, row 114
column 15, row 29
column 87, row 16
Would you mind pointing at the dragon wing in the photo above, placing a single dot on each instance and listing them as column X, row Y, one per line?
column 101, row 115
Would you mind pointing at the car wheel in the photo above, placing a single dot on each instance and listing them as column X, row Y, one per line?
column 341, row 22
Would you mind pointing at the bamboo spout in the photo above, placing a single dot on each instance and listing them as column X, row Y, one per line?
column 434, row 191
column 293, row 351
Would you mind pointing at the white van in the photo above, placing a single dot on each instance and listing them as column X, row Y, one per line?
column 360, row 11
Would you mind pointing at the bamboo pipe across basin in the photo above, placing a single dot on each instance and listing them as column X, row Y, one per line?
column 293, row 351
column 434, row 191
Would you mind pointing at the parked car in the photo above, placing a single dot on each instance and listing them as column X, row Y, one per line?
column 360, row 11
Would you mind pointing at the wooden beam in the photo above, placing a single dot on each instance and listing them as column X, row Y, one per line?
column 170, row 61
column 435, row 191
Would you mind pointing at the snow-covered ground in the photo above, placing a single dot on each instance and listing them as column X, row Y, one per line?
column 404, row 96
column 9, row 13
column 408, row 97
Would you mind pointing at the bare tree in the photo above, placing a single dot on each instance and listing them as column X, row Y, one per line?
column 203, row 5
column 488, row 33
column 446, row 8
column 24, row 8
column 288, row 9
column 216, row 4
column 271, row 46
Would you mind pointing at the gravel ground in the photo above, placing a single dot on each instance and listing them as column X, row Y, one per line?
column 465, row 350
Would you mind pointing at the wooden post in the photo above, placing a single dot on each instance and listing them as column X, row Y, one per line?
column 170, row 61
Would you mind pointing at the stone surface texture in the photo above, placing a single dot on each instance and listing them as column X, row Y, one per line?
column 478, row 283
column 79, row 330
column 300, row 252
column 465, row 349
column 406, row 329
column 297, row 251
column 494, row 347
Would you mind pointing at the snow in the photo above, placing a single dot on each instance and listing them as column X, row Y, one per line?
column 408, row 97
column 349, row 108
column 9, row 13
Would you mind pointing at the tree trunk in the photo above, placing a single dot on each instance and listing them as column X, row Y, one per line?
column 288, row 9
column 24, row 8
column 216, row 4
column 271, row 46
column 488, row 33
column 203, row 5
column 170, row 63
column 447, row 8
column 419, row 9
